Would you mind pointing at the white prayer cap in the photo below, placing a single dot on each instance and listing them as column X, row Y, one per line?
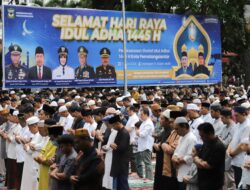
column 180, row 104
column 246, row 105
column 134, row 89
column 238, row 99
column 128, row 94
column 61, row 101
column 77, row 97
column 99, row 100
column 12, row 92
column 236, row 96
column 62, row 109
column 119, row 99
column 111, row 111
column 194, row 95
column 211, row 97
column 53, row 104
column 243, row 97
column 193, row 107
column 179, row 120
column 23, row 96
column 15, row 113
column 74, row 91
column 91, row 103
column 197, row 101
column 166, row 113
column 227, row 98
column 217, row 101
column 68, row 104
column 32, row 120
column 112, row 91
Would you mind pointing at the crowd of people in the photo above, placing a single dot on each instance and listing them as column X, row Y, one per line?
column 95, row 139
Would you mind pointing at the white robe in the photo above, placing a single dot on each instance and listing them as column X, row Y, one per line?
column 107, row 180
column 31, row 167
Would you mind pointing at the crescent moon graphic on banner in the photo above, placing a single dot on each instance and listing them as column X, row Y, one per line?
column 25, row 29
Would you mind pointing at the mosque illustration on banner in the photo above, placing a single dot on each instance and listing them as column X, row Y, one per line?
column 192, row 51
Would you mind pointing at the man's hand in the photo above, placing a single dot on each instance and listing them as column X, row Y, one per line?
column 194, row 152
column 32, row 147
column 243, row 146
column 156, row 146
column 137, row 131
column 79, row 156
column 113, row 146
column 247, row 165
column 186, row 179
column 5, row 136
column 74, row 179
column 17, row 139
column 71, row 131
column 26, row 147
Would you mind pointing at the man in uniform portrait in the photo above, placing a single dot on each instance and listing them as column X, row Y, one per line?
column 63, row 71
column 15, row 71
column 185, row 68
column 106, row 70
column 201, row 69
column 40, row 71
column 84, row 71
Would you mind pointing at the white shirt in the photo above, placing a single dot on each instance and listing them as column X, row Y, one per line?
column 69, row 73
column 90, row 127
column 218, row 126
column 207, row 118
column 37, row 140
column 145, row 139
column 184, row 150
column 20, row 153
column 193, row 126
column 41, row 71
column 245, row 179
column 242, row 131
column 227, row 133
column 37, row 111
column 14, row 130
column 132, row 120
column 66, row 122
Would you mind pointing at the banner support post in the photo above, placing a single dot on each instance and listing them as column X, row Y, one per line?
column 124, row 49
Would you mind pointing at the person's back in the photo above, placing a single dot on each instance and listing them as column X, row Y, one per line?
column 210, row 159
column 65, row 164
column 214, row 154
column 90, row 170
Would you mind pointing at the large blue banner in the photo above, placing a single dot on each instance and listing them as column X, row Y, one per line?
column 52, row 47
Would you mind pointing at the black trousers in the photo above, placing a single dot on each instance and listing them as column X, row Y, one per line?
column 132, row 159
column 181, row 186
column 12, row 175
column 237, row 175
column 6, row 175
column 120, row 183
column 20, row 173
